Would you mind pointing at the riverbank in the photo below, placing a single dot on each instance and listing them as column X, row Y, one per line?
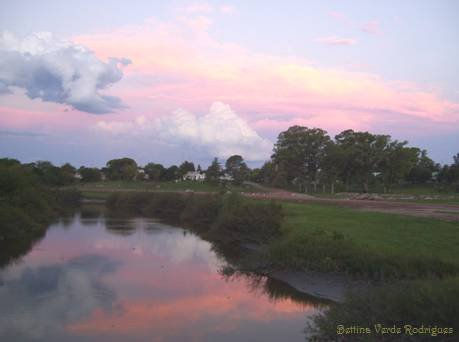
column 27, row 207
column 340, row 254
column 372, row 246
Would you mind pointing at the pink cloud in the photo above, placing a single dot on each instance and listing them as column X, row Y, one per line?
column 194, row 70
column 372, row 27
column 179, row 64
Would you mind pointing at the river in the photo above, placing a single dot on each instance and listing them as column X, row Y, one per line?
column 94, row 277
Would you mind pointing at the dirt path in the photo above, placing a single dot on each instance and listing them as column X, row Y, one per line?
column 447, row 212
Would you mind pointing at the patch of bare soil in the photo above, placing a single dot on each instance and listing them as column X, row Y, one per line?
column 447, row 212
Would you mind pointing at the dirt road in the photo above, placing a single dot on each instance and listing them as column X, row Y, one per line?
column 448, row 212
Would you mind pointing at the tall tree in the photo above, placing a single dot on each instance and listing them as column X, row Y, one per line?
column 185, row 167
column 456, row 159
column 154, row 171
column 449, row 174
column 121, row 169
column 214, row 171
column 332, row 165
column 267, row 172
column 299, row 152
column 422, row 171
column 397, row 162
column 237, row 168
column 52, row 175
column 90, row 174
column 364, row 152
column 171, row 173
column 68, row 172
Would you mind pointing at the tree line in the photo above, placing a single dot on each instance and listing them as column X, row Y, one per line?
column 127, row 169
column 304, row 159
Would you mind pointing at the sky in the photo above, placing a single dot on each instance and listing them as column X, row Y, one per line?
column 166, row 81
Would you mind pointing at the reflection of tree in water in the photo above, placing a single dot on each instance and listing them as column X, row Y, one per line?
column 91, row 215
column 125, row 223
column 276, row 290
column 10, row 251
column 120, row 226
column 13, row 249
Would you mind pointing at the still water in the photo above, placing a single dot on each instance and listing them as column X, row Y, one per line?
column 98, row 278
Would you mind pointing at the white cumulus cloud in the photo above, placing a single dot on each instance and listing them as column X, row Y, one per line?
column 220, row 132
column 58, row 71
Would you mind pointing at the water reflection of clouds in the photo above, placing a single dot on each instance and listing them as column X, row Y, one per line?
column 38, row 302
column 158, row 283
column 223, row 308
column 143, row 237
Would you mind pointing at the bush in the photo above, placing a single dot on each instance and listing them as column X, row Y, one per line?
column 227, row 219
column 241, row 220
column 67, row 196
column 132, row 202
column 201, row 211
column 167, row 206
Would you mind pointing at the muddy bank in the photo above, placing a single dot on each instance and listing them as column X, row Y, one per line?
column 321, row 285
column 251, row 258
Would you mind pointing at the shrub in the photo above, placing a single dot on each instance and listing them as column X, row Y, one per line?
column 201, row 211
column 241, row 220
column 67, row 197
column 167, row 206
column 228, row 219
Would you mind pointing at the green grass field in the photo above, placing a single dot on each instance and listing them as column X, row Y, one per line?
column 366, row 242
column 97, row 189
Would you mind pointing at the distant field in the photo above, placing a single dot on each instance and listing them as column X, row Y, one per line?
column 428, row 193
column 443, row 199
column 101, row 189
column 426, row 189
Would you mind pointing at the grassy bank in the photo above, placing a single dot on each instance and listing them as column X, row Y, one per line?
column 367, row 244
column 404, row 305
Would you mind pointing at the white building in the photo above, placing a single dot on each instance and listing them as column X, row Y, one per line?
column 226, row 178
column 194, row 176
column 141, row 174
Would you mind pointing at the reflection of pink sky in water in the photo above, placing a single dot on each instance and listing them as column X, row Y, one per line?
column 163, row 317
column 166, row 284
